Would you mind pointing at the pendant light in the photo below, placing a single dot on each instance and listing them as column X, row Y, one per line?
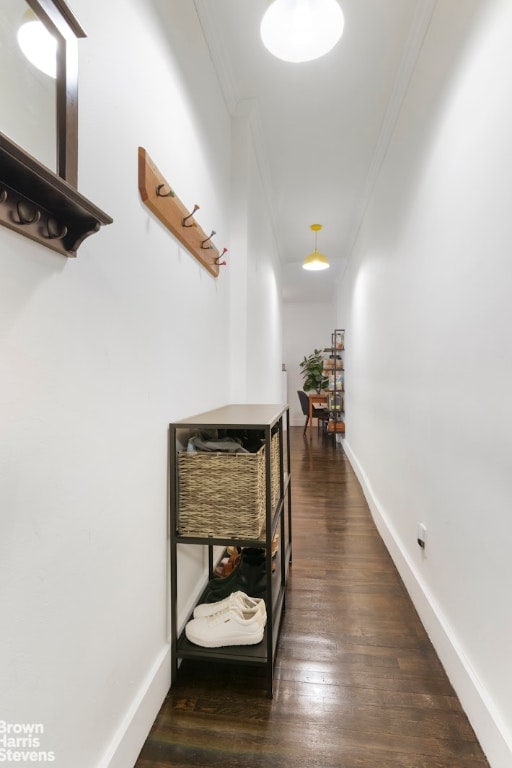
column 301, row 30
column 316, row 260
column 37, row 44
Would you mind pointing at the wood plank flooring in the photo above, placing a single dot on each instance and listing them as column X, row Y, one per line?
column 357, row 682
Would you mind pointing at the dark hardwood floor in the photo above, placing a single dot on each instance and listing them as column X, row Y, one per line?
column 357, row 682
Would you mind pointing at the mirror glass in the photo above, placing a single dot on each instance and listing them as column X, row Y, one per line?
column 28, row 96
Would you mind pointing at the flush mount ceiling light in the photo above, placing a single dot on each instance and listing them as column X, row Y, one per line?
column 38, row 46
column 315, row 261
column 301, row 30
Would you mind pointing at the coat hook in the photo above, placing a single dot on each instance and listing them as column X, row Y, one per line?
column 207, row 247
column 3, row 196
column 54, row 230
column 217, row 260
column 159, row 193
column 30, row 215
column 196, row 208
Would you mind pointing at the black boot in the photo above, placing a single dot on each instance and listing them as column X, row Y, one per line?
column 249, row 576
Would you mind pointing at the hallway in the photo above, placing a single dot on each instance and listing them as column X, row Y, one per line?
column 357, row 682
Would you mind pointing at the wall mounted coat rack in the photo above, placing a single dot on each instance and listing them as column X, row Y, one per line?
column 161, row 200
column 38, row 204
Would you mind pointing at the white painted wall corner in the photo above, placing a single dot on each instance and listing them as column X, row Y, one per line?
column 491, row 732
column 129, row 738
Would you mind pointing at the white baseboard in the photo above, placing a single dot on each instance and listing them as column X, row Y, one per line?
column 486, row 721
column 129, row 738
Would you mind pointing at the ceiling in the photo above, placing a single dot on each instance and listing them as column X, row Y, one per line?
column 321, row 128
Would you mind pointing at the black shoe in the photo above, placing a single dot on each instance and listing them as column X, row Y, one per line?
column 250, row 576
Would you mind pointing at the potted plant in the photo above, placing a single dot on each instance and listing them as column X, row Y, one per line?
column 312, row 371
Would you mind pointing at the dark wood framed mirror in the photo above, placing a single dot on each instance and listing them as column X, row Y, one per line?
column 38, row 192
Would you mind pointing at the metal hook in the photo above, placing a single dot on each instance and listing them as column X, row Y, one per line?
column 207, row 247
column 3, row 196
column 196, row 208
column 53, row 232
column 22, row 215
column 170, row 193
column 221, row 263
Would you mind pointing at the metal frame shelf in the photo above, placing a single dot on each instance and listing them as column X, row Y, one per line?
column 268, row 419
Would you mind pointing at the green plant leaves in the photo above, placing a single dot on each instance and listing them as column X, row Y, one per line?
column 312, row 371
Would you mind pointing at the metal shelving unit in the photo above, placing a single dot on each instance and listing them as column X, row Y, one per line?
column 334, row 369
column 267, row 419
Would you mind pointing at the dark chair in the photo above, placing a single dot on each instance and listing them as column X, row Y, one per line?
column 317, row 413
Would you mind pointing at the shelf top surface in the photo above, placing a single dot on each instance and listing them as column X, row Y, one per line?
column 245, row 415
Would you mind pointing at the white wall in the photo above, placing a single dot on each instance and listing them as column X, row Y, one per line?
column 426, row 303
column 264, row 329
column 97, row 355
column 256, row 330
column 306, row 327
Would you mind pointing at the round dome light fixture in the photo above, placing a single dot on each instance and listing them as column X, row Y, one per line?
column 316, row 261
column 37, row 44
column 301, row 30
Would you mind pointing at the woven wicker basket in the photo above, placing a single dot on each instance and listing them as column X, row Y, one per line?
column 223, row 494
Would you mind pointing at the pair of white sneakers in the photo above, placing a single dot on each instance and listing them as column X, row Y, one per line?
column 236, row 620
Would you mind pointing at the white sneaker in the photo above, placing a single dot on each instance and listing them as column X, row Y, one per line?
column 238, row 600
column 228, row 627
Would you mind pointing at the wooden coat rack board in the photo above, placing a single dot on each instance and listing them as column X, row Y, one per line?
column 161, row 200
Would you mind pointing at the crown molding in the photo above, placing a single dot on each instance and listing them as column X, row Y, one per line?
column 212, row 34
column 236, row 105
column 419, row 28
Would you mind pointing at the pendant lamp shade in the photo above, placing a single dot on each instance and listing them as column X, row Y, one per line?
column 316, row 261
column 301, row 30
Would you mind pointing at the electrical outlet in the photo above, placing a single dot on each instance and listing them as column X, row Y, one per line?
column 422, row 535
